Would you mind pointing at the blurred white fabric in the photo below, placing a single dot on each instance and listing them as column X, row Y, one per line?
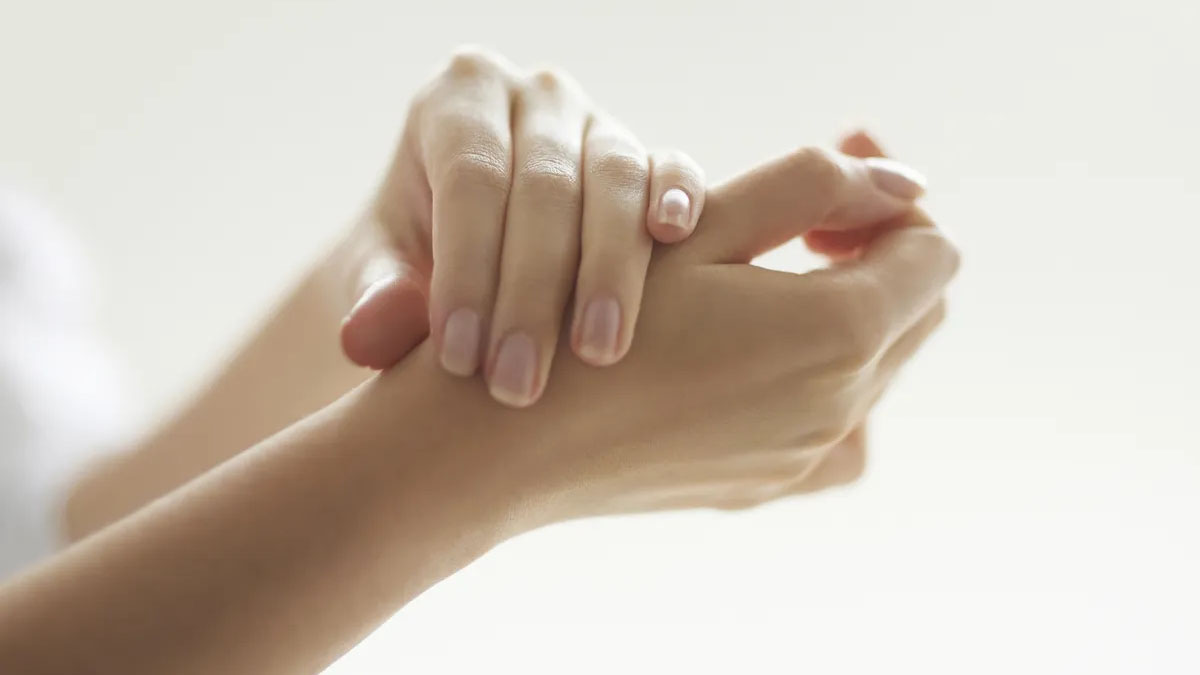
column 59, row 397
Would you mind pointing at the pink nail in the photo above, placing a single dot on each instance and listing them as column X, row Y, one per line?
column 512, row 380
column 460, row 342
column 894, row 178
column 675, row 209
column 598, row 331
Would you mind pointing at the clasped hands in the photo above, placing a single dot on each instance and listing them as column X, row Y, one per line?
column 519, row 222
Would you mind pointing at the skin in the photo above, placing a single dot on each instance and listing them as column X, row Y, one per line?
column 509, row 192
column 387, row 259
column 523, row 203
column 741, row 382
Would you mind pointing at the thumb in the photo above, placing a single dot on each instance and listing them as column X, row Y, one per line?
column 810, row 188
column 391, row 316
column 845, row 244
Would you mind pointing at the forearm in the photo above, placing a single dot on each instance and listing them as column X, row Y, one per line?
column 281, row 559
column 290, row 367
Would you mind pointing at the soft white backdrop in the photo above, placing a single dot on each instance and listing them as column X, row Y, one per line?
column 1034, row 488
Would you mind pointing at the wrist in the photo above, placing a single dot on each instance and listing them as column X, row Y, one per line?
column 455, row 451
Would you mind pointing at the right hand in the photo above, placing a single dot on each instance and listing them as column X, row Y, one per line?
column 743, row 380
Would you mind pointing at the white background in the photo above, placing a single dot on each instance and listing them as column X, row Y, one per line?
column 1034, row 488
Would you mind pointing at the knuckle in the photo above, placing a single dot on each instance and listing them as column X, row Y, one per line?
column 836, row 426
column 838, row 418
column 549, row 176
column 469, row 61
column 819, row 167
column 619, row 170
column 799, row 461
column 953, row 257
column 470, row 171
column 549, row 79
column 842, row 419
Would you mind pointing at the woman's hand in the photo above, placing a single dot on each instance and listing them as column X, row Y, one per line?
column 511, row 193
column 743, row 380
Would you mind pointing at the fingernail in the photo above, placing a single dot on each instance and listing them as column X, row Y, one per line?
column 513, row 375
column 894, row 178
column 460, row 342
column 598, row 331
column 675, row 209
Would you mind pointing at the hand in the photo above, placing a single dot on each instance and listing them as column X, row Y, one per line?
column 510, row 189
column 841, row 245
column 743, row 380
column 846, row 244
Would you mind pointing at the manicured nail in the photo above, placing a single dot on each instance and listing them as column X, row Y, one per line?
column 894, row 178
column 460, row 342
column 513, row 374
column 598, row 331
column 675, row 209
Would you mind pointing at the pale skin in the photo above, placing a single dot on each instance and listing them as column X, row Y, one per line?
column 386, row 263
column 743, row 385
column 513, row 200
column 284, row 557
column 509, row 192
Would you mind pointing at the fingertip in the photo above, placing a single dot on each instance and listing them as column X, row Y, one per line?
column 387, row 322
column 672, row 217
column 597, row 335
column 860, row 143
column 512, row 375
column 896, row 178
column 676, row 196
column 462, row 334
column 876, row 190
column 838, row 245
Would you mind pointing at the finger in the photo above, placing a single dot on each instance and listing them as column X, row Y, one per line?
column 466, row 150
column 841, row 244
column 898, row 278
column 785, row 198
column 676, row 196
column 541, row 237
column 859, row 143
column 847, row 244
column 615, row 246
column 389, row 319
